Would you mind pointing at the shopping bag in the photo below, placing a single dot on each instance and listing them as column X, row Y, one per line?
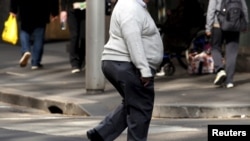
column 10, row 31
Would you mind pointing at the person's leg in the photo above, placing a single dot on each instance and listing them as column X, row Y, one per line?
column 82, row 48
column 216, row 43
column 74, row 30
column 82, row 53
column 232, row 47
column 115, row 122
column 136, row 110
column 38, row 47
column 25, row 47
column 140, row 101
column 25, row 41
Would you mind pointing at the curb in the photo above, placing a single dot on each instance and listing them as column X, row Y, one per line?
column 160, row 110
column 201, row 111
column 51, row 106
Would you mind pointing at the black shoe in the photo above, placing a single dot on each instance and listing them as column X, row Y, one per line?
column 93, row 135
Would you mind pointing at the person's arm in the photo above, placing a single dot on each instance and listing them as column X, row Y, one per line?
column 245, row 10
column 14, row 7
column 131, row 28
column 211, row 10
column 54, row 8
column 63, row 5
column 63, row 11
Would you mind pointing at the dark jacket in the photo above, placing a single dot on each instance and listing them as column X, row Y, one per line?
column 68, row 4
column 34, row 12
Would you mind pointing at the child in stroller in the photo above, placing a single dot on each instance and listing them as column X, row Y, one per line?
column 199, row 56
column 194, row 55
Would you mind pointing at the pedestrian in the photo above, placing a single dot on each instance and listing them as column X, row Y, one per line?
column 74, row 13
column 129, row 61
column 33, row 15
column 224, row 69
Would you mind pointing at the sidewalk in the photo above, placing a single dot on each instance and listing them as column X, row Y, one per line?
column 56, row 90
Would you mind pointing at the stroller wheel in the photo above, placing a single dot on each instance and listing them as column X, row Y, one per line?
column 169, row 69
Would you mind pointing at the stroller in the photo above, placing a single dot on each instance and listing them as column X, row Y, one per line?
column 199, row 56
column 177, row 32
column 176, row 45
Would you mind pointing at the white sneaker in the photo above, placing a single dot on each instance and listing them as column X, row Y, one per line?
column 40, row 66
column 75, row 70
column 161, row 73
column 230, row 85
column 220, row 78
column 24, row 60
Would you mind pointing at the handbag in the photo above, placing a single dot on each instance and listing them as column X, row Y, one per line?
column 10, row 31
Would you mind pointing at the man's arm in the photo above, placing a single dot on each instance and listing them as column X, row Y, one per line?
column 210, row 16
column 245, row 10
column 54, row 7
column 63, row 5
column 63, row 9
column 14, row 6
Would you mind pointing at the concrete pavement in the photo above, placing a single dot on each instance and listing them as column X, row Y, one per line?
column 56, row 90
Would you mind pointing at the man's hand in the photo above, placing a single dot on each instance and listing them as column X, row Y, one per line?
column 53, row 18
column 13, row 14
column 244, row 30
column 145, row 80
column 63, row 16
column 208, row 33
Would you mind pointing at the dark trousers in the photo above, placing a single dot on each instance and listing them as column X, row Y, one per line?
column 135, row 111
column 230, row 40
column 76, row 24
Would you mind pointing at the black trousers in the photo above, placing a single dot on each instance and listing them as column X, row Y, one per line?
column 76, row 23
column 135, row 110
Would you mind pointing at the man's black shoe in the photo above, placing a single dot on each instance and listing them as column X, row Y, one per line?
column 93, row 135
